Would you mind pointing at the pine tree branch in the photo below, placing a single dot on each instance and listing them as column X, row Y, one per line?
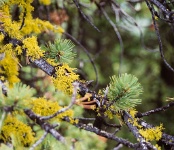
column 142, row 142
column 84, row 16
column 161, row 7
column 87, row 53
column 166, row 139
column 83, row 89
column 44, row 66
column 39, row 141
column 44, row 125
column 3, row 87
column 102, row 133
column 158, row 35
column 156, row 110
column 117, row 34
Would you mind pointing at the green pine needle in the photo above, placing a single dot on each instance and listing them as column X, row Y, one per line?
column 18, row 95
column 61, row 51
column 124, row 91
column 2, row 2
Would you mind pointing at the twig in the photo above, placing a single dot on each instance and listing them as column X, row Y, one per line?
column 76, row 85
column 165, row 139
column 117, row 33
column 84, row 16
column 142, row 142
column 44, row 125
column 43, row 65
column 111, row 125
column 160, row 6
column 102, row 133
column 87, row 53
column 23, row 19
column 139, row 115
column 118, row 146
column 81, row 118
column 39, row 141
column 2, row 119
column 158, row 35
column 3, row 88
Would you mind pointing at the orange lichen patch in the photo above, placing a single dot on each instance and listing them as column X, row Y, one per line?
column 86, row 102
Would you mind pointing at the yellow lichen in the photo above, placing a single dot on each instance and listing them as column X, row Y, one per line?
column 18, row 50
column 59, row 29
column 13, row 127
column 108, row 114
column 33, row 50
column 136, row 124
column 134, row 121
column 151, row 134
column 9, row 67
column 45, row 107
column 15, row 28
column 158, row 147
column 45, row 2
column 51, row 62
column 74, row 121
column 1, row 37
column 64, row 79
column 133, row 112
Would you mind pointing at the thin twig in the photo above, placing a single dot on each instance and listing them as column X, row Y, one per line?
column 158, row 35
column 118, row 146
column 139, row 115
column 3, row 88
column 87, row 53
column 81, row 118
column 44, row 125
column 102, row 133
column 39, row 141
column 131, row 20
column 84, row 16
column 118, row 35
column 2, row 119
column 160, row 6
column 23, row 19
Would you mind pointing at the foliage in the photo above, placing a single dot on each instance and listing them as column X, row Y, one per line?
column 17, row 97
column 60, row 51
column 46, row 109
column 124, row 91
